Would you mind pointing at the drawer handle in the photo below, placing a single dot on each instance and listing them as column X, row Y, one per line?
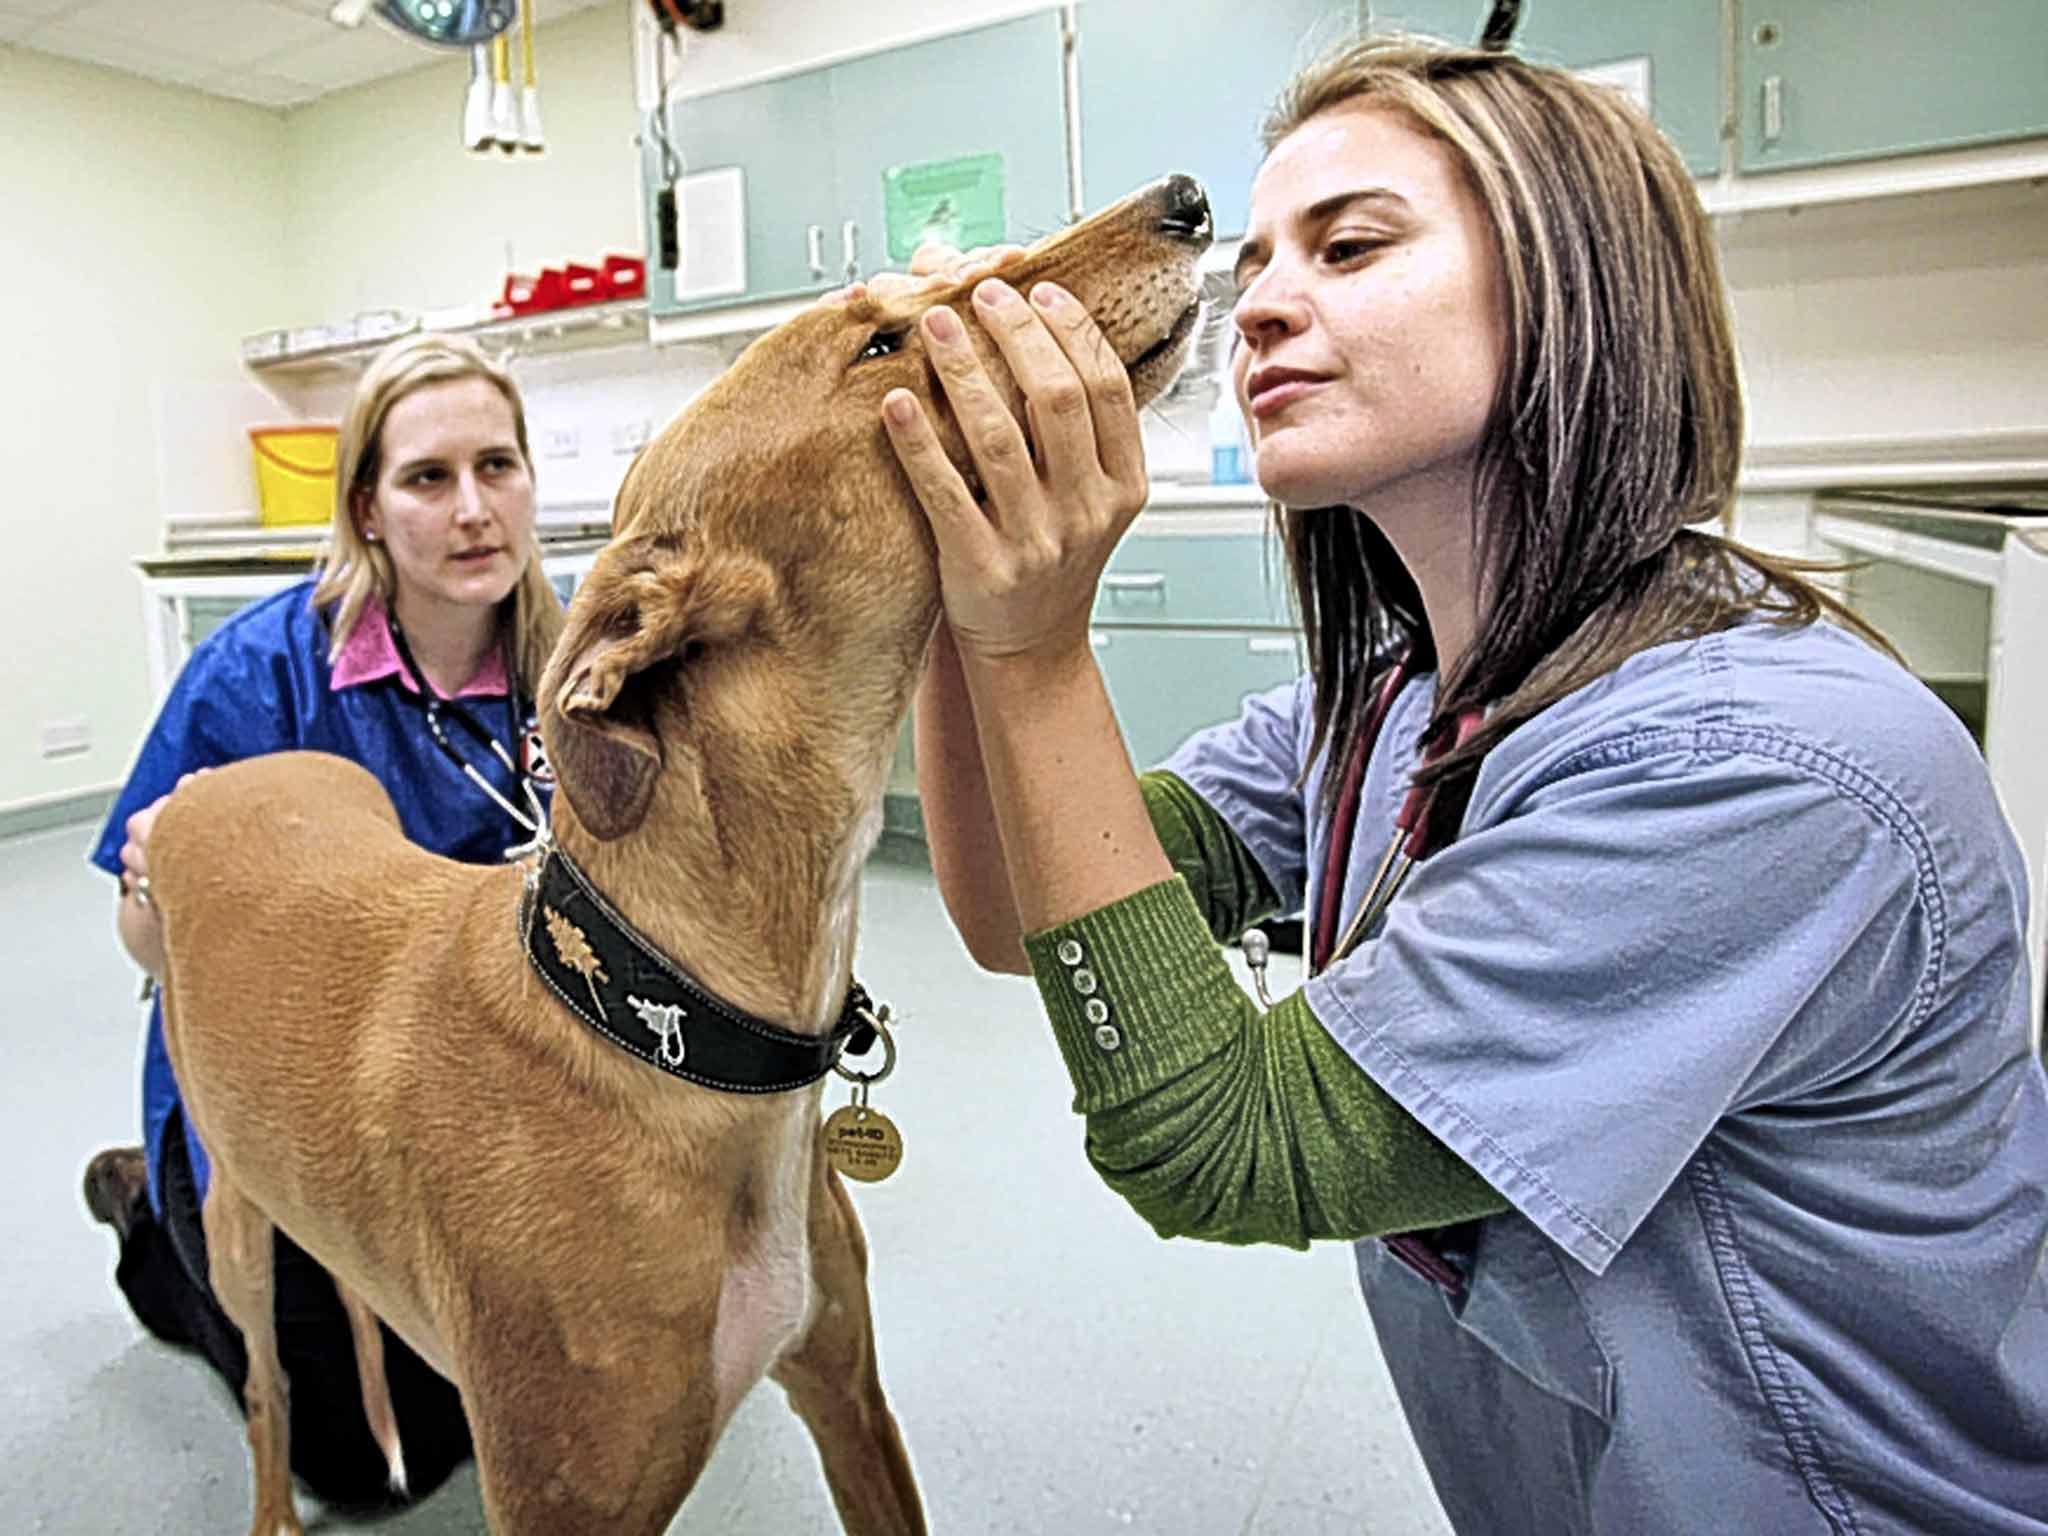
column 814, row 248
column 1098, row 640
column 1154, row 581
column 1269, row 645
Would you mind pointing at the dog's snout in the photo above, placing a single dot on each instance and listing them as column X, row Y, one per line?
column 1184, row 209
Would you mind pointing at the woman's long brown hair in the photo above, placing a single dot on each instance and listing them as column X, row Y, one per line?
column 1616, row 424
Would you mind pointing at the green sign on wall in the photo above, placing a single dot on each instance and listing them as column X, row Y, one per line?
column 955, row 202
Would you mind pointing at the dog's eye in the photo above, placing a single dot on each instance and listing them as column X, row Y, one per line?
column 881, row 344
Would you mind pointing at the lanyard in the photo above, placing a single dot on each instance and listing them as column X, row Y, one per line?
column 534, row 820
column 1413, row 826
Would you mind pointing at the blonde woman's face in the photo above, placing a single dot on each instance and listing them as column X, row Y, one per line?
column 454, row 497
column 1369, row 337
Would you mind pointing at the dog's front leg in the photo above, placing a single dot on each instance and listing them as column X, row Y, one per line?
column 835, row 1384
column 241, row 1253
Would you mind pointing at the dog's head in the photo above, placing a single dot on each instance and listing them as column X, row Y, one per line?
column 768, row 556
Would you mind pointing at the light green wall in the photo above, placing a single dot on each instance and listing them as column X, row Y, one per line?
column 386, row 207
column 141, row 232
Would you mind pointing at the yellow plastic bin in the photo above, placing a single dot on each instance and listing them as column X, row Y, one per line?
column 294, row 472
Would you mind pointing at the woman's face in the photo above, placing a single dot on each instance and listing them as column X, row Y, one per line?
column 454, row 496
column 1370, row 337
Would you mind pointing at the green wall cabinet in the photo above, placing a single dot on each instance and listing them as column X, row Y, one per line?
column 772, row 131
column 995, row 90
column 1823, row 81
column 1184, row 87
column 1680, row 39
column 815, row 149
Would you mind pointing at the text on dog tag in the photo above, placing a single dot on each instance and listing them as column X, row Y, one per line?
column 862, row 1142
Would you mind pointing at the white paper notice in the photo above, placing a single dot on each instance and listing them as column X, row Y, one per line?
column 1629, row 76
column 711, row 207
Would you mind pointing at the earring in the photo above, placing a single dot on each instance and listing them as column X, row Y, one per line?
column 369, row 536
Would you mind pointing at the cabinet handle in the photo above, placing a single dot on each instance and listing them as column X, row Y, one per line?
column 1773, row 108
column 1098, row 640
column 849, row 242
column 1269, row 645
column 1151, row 581
column 815, row 245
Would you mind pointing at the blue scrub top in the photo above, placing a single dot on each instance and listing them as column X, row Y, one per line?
column 1723, row 987
column 261, row 683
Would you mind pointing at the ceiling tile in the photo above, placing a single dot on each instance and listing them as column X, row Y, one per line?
column 227, row 31
column 137, row 56
column 344, row 58
column 264, row 90
column 274, row 52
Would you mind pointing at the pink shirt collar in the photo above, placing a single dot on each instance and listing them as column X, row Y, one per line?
column 370, row 654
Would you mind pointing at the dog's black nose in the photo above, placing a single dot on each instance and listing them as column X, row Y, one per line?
column 1184, row 209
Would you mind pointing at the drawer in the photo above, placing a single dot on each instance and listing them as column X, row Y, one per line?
column 1167, row 684
column 1195, row 580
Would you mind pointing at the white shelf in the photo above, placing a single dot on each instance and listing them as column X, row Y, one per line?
column 1856, row 181
column 622, row 323
column 729, row 320
column 1963, row 562
column 1200, row 493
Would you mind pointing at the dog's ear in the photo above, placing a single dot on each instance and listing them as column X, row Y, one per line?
column 628, row 636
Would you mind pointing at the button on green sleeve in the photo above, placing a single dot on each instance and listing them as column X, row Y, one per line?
column 1214, row 1119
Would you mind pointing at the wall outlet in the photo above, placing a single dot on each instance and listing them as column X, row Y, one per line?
column 631, row 436
column 66, row 738
column 561, row 443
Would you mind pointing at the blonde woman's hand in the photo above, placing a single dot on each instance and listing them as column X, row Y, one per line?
column 135, row 850
column 1018, row 569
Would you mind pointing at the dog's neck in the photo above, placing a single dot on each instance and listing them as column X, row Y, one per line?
column 746, row 872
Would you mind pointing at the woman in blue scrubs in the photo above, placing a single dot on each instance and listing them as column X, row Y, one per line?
column 414, row 653
column 1665, row 1053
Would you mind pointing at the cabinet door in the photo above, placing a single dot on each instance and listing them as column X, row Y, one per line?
column 1824, row 80
column 2017, row 726
column 995, row 91
column 773, row 132
column 1167, row 684
column 1183, row 85
column 1670, row 48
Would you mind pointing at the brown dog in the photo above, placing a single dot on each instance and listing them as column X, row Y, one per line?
column 603, row 1258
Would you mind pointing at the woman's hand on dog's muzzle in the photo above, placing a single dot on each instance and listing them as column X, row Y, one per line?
column 1018, row 568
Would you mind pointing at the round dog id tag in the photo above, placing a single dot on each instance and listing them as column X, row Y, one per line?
column 862, row 1142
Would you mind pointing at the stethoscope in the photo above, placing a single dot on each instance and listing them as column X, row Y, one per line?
column 534, row 819
column 1414, row 829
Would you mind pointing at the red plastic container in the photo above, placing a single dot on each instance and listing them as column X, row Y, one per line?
column 625, row 277
column 521, row 294
column 584, row 285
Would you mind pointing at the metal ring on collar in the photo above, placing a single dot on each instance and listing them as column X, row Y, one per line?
column 879, row 1022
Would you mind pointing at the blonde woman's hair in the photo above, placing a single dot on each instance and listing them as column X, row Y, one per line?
column 1615, row 427
column 354, row 570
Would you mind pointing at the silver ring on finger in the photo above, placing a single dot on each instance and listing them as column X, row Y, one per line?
column 141, row 890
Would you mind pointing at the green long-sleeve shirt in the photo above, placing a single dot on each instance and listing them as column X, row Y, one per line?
column 1212, row 1118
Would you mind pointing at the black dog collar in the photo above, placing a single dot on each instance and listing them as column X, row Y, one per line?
column 613, row 979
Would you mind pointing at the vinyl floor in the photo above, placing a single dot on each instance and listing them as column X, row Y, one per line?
column 1056, row 1368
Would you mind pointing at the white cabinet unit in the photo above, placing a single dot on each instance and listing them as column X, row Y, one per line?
column 1959, row 582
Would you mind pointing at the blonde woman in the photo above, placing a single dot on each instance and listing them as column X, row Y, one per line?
column 1665, row 1054
column 414, row 653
